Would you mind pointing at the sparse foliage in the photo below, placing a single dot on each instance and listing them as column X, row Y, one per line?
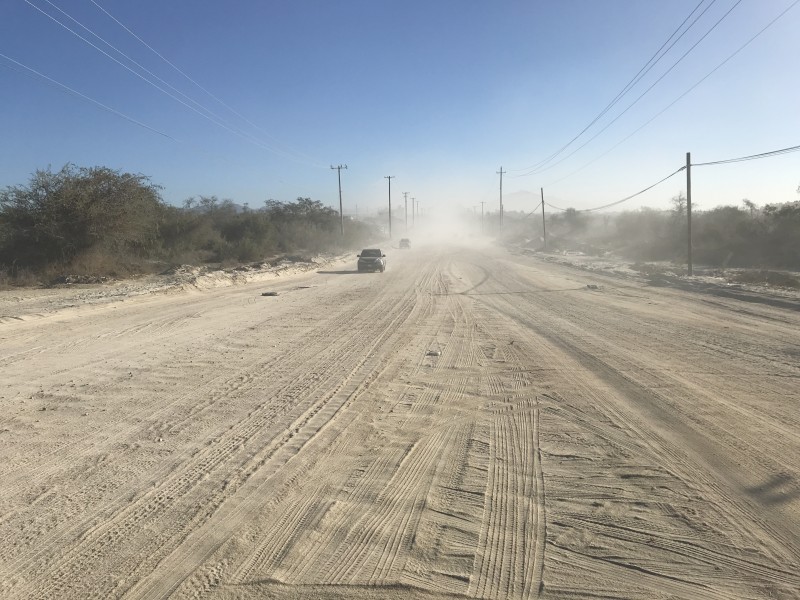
column 726, row 236
column 104, row 222
column 60, row 215
column 679, row 205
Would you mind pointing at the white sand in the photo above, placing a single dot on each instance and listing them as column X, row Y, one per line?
column 628, row 441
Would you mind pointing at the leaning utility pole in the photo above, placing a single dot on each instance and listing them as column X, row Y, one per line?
column 405, row 198
column 500, row 172
column 341, row 214
column 544, row 229
column 689, row 208
column 390, row 177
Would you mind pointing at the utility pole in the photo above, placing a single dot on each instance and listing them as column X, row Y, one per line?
column 544, row 228
column 500, row 172
column 390, row 177
column 482, row 203
column 341, row 214
column 413, row 212
column 405, row 198
column 689, row 208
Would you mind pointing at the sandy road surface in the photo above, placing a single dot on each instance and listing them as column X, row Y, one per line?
column 469, row 423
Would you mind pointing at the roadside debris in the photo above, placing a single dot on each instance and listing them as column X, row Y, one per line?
column 433, row 353
column 269, row 293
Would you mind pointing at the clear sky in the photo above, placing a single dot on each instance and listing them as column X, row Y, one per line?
column 438, row 93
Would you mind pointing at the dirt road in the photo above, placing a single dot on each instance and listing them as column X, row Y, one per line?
column 470, row 423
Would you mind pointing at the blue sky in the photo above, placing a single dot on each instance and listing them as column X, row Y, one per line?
column 439, row 93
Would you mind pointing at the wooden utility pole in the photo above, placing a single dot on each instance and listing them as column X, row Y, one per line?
column 405, row 198
column 413, row 212
column 341, row 213
column 544, row 228
column 689, row 210
column 482, row 203
column 500, row 172
column 390, row 177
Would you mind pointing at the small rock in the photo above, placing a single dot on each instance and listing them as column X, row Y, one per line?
column 433, row 353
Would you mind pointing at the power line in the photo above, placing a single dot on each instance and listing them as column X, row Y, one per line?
column 216, row 98
column 551, row 206
column 121, row 53
column 750, row 157
column 636, row 78
column 139, row 75
column 214, row 119
column 684, row 94
column 82, row 96
column 29, row 72
column 626, row 198
column 726, row 161
column 639, row 193
column 642, row 95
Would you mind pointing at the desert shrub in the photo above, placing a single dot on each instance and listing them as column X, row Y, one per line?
column 104, row 222
column 58, row 216
column 726, row 236
column 781, row 238
column 646, row 234
column 769, row 278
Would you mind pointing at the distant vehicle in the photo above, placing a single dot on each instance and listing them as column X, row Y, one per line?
column 405, row 243
column 372, row 259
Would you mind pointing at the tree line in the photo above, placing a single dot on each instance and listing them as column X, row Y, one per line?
column 745, row 235
column 101, row 221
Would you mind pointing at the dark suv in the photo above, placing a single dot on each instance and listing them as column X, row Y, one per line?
column 372, row 259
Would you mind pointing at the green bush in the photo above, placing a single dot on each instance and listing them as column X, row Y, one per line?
column 59, row 216
column 726, row 236
column 97, row 221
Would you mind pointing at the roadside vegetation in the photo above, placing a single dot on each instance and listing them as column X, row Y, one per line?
column 744, row 236
column 98, row 222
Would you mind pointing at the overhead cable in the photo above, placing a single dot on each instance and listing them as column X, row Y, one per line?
column 632, row 104
column 639, row 193
column 554, row 206
column 726, row 161
column 29, row 70
column 216, row 98
column 689, row 90
column 636, row 78
column 126, row 67
column 750, row 157
column 626, row 198
column 213, row 119
column 126, row 56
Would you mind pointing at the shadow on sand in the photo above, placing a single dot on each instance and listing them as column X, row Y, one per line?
column 354, row 272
